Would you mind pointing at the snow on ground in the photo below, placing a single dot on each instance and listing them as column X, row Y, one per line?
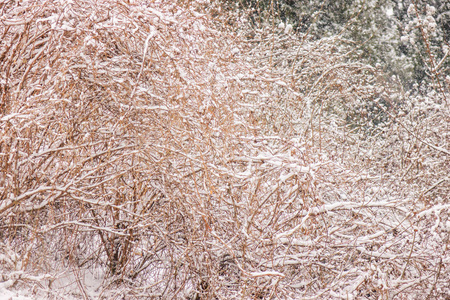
column 6, row 294
column 67, row 286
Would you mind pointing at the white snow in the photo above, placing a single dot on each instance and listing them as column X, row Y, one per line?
column 267, row 273
column 8, row 295
column 390, row 11
column 288, row 29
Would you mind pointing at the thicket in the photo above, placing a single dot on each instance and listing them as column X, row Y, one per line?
column 178, row 151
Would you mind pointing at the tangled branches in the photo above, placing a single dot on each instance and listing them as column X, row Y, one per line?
column 138, row 140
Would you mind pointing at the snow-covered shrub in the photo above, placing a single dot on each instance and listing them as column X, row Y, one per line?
column 180, row 159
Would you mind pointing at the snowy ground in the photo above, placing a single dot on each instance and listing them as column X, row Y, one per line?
column 6, row 294
column 67, row 287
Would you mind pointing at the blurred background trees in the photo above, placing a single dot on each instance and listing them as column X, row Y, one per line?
column 384, row 33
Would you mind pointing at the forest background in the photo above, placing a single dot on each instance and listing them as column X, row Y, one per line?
column 251, row 149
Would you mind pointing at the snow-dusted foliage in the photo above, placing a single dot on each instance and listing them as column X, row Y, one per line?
column 178, row 157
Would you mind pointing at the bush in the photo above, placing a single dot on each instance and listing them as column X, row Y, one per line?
column 159, row 149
